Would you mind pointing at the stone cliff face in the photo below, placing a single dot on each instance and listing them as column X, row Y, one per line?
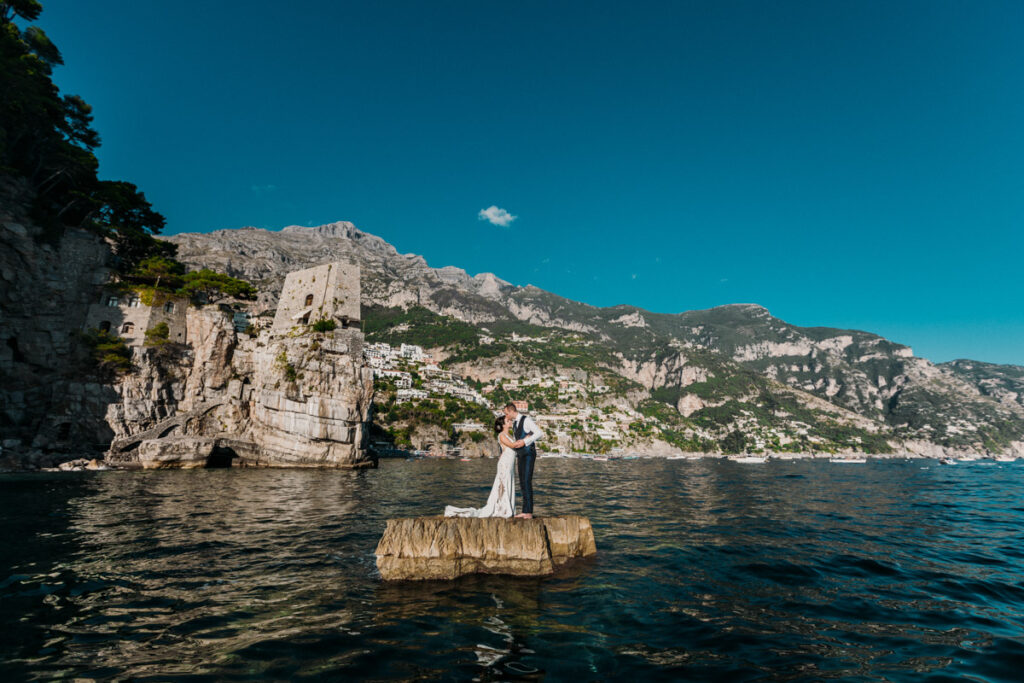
column 49, row 399
column 268, row 401
column 294, row 399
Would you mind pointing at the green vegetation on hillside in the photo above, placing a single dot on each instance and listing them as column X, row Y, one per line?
column 158, row 335
column 156, row 278
column 397, row 422
column 108, row 351
column 207, row 286
column 415, row 325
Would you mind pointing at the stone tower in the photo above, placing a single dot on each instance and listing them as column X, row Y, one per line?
column 328, row 291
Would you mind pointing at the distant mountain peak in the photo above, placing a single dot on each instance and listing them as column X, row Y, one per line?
column 336, row 229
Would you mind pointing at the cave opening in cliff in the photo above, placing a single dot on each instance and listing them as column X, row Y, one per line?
column 221, row 457
column 16, row 355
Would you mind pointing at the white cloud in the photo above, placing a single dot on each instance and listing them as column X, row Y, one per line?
column 496, row 216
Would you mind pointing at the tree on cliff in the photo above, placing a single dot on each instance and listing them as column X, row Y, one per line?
column 47, row 141
column 209, row 286
column 158, row 272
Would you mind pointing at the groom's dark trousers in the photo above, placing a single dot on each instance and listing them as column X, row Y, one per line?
column 525, row 459
column 525, row 462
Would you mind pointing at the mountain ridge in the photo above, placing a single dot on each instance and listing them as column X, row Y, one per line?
column 690, row 360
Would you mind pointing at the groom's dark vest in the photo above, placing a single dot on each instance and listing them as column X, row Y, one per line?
column 521, row 434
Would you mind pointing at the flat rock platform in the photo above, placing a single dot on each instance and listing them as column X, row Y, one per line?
column 422, row 548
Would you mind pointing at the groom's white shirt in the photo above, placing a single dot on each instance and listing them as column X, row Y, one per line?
column 530, row 426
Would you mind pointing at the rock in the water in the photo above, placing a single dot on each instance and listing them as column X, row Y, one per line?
column 448, row 547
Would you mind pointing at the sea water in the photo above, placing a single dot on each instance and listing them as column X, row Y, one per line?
column 706, row 570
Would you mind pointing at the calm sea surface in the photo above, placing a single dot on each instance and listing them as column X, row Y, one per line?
column 706, row 570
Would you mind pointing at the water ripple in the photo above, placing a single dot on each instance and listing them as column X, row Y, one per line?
column 706, row 571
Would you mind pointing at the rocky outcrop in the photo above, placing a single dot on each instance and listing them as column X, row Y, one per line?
column 449, row 547
column 293, row 400
column 224, row 450
column 311, row 400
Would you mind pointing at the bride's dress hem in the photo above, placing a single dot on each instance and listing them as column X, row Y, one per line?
column 502, row 501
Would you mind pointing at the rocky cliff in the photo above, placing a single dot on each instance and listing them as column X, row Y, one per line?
column 51, row 400
column 729, row 368
column 298, row 400
column 301, row 398
column 724, row 370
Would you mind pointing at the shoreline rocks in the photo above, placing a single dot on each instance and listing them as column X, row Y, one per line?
column 433, row 548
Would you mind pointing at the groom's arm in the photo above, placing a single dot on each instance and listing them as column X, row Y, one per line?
column 530, row 426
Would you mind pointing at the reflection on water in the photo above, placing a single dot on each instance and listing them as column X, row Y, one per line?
column 790, row 570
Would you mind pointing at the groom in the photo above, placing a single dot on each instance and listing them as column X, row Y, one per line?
column 526, row 432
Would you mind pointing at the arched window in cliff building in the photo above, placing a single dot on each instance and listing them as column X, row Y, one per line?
column 309, row 299
column 128, row 328
column 133, row 302
column 112, row 301
column 169, row 307
column 344, row 322
column 305, row 319
column 105, row 326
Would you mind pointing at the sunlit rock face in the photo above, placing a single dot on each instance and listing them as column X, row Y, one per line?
column 285, row 397
column 311, row 401
column 425, row 548
column 269, row 401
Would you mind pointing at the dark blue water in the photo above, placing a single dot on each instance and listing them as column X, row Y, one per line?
column 706, row 570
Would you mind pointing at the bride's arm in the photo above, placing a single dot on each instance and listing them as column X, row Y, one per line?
column 504, row 440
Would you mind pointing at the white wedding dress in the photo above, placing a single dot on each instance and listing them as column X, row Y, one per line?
column 502, row 501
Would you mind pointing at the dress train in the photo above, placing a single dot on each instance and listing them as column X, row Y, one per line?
column 502, row 501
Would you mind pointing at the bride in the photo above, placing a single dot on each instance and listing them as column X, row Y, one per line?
column 502, row 501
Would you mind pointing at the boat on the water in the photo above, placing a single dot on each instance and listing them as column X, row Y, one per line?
column 849, row 460
column 947, row 461
column 752, row 459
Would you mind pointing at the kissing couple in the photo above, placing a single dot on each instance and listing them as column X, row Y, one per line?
column 518, row 435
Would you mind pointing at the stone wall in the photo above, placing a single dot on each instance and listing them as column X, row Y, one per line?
column 173, row 311
column 125, row 315
column 330, row 290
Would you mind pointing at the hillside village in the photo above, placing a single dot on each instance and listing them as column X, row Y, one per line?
column 583, row 418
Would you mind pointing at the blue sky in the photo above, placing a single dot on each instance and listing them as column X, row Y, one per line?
column 851, row 164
